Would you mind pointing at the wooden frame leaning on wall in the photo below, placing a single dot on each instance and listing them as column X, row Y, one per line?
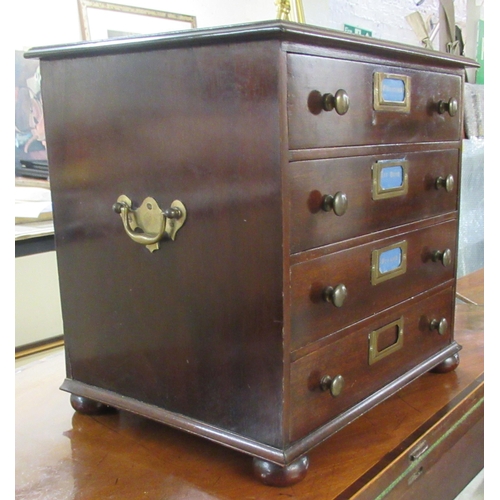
column 102, row 20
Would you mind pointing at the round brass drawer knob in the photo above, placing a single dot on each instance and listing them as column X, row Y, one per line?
column 448, row 183
column 441, row 325
column 443, row 256
column 338, row 102
column 335, row 295
column 334, row 385
column 337, row 203
column 451, row 106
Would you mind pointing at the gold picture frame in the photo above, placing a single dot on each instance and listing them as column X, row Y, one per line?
column 290, row 10
column 103, row 20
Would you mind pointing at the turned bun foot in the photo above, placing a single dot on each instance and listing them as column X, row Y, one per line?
column 448, row 365
column 276, row 475
column 87, row 406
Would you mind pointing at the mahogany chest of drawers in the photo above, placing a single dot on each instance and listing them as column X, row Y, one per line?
column 256, row 228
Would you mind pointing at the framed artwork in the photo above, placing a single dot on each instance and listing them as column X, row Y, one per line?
column 290, row 10
column 30, row 146
column 102, row 20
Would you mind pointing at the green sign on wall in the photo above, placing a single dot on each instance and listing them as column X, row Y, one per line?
column 480, row 52
column 356, row 31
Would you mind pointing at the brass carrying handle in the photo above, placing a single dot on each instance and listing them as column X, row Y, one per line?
column 149, row 224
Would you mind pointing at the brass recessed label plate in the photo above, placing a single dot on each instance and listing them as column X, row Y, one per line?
column 389, row 262
column 391, row 92
column 378, row 338
column 389, row 179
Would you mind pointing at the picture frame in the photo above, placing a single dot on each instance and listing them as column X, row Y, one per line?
column 30, row 143
column 102, row 20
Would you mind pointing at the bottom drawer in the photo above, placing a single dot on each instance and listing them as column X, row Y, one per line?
column 369, row 356
column 441, row 462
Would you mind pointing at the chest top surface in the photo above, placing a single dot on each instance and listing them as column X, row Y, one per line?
column 265, row 30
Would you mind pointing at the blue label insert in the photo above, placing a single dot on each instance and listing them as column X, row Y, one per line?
column 393, row 90
column 390, row 260
column 391, row 177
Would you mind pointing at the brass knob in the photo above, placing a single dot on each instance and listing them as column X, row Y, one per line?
column 443, row 256
column 440, row 325
column 334, row 385
column 451, row 106
column 338, row 102
column 335, row 295
column 447, row 183
column 337, row 203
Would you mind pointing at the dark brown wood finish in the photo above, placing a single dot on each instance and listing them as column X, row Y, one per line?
column 313, row 317
column 451, row 448
column 173, row 126
column 312, row 226
column 292, row 35
column 61, row 454
column 349, row 357
column 201, row 333
column 310, row 126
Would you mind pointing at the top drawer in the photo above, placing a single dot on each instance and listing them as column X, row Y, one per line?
column 416, row 107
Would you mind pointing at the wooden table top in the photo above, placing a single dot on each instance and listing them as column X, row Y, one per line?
column 62, row 455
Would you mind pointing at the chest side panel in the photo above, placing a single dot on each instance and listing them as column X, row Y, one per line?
column 194, row 327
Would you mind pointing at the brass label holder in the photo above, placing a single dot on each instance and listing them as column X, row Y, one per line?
column 391, row 92
column 389, row 179
column 389, row 262
column 374, row 354
column 149, row 224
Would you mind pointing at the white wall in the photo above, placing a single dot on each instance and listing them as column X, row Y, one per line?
column 57, row 21
column 38, row 307
column 35, row 23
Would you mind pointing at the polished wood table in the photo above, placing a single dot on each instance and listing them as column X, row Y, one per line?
column 426, row 438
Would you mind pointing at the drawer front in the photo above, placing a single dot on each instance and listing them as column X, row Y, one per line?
column 337, row 290
column 335, row 199
column 374, row 354
column 421, row 118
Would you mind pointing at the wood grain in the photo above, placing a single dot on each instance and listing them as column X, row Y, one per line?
column 61, row 454
column 310, row 127
column 309, row 181
column 313, row 318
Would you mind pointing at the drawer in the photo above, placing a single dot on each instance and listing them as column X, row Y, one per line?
column 411, row 111
column 371, row 277
column 451, row 447
column 335, row 199
column 399, row 339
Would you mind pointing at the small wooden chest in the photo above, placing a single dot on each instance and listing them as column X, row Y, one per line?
column 256, row 227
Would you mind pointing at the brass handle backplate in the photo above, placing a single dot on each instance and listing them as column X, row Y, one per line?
column 149, row 224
